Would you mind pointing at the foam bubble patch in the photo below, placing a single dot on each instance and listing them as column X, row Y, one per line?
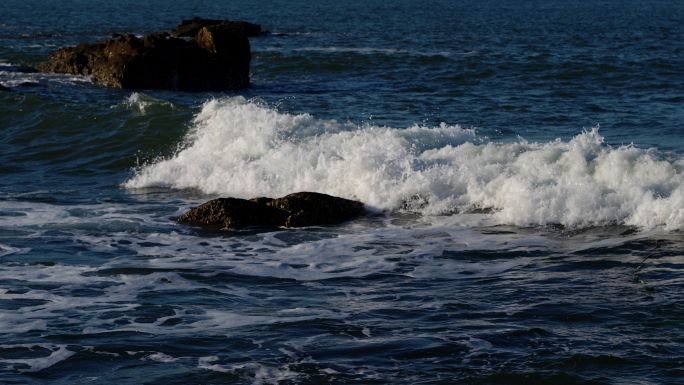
column 52, row 355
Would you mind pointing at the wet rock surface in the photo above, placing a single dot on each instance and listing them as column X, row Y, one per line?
column 295, row 210
column 217, row 58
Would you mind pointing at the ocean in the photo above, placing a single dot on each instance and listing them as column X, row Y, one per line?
column 522, row 163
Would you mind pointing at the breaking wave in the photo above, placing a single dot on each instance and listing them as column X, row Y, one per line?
column 245, row 149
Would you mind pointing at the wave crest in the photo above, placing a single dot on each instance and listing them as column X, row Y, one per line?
column 245, row 149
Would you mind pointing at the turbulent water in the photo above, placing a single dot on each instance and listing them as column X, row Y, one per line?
column 522, row 163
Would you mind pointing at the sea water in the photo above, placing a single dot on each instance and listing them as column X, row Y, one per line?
column 522, row 165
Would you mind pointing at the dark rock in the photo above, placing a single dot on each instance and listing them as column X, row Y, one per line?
column 262, row 200
column 234, row 213
column 217, row 60
column 73, row 60
column 29, row 84
column 190, row 28
column 311, row 209
column 294, row 210
column 3, row 88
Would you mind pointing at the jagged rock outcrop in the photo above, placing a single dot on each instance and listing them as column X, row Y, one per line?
column 217, row 58
column 295, row 210
column 190, row 28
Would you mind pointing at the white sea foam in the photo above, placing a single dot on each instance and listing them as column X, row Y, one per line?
column 131, row 264
column 256, row 372
column 160, row 357
column 14, row 79
column 57, row 353
column 143, row 103
column 7, row 250
column 245, row 149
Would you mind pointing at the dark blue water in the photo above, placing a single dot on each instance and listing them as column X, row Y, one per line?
column 523, row 164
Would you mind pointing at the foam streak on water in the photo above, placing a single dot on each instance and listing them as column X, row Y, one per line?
column 245, row 149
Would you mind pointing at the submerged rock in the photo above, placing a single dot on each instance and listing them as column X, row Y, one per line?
column 3, row 88
column 217, row 58
column 294, row 210
column 190, row 28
